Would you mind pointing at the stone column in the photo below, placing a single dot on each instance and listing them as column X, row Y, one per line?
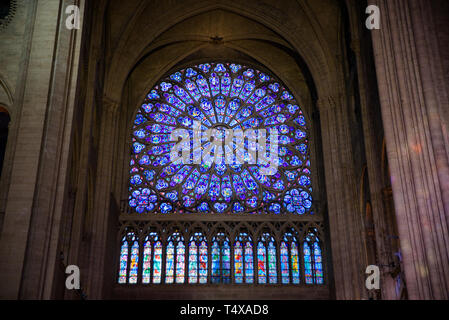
column 29, row 239
column 414, row 110
column 346, row 230
column 103, row 188
column 372, row 134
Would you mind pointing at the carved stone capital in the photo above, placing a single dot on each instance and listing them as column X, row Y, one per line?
column 110, row 105
column 329, row 102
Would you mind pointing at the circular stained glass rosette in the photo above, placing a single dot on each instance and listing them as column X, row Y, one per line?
column 220, row 96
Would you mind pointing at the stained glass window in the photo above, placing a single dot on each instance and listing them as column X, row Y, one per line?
column 193, row 262
column 295, row 263
column 266, row 259
column 216, row 272
column 197, row 259
column 312, row 259
column 123, row 261
column 249, row 265
column 307, row 263
column 149, row 258
column 253, row 261
column 262, row 262
column 134, row 262
column 146, row 269
column 170, row 263
column 242, row 175
column 129, row 259
column 225, row 97
column 226, row 262
column 272, row 265
column 238, row 262
column 157, row 263
column 175, row 259
column 180, row 262
column 285, row 268
column 318, row 264
column 203, row 262
column 243, row 259
column 290, row 265
column 221, row 259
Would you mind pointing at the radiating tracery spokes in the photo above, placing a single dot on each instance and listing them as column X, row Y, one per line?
column 220, row 96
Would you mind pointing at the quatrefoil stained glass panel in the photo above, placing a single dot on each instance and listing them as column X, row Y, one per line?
column 219, row 96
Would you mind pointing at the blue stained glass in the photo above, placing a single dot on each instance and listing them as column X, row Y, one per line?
column 225, row 84
column 166, row 208
column 204, row 207
column 294, row 263
column 176, row 76
column 226, row 262
column 275, row 208
column 214, row 190
column 220, row 68
column 123, row 262
column 205, row 67
column 134, row 263
column 285, row 270
column 307, row 263
column 262, row 263
column 301, row 121
column 238, row 186
column 203, row 263
column 146, row 267
column 236, row 87
column 157, row 262
column 216, row 273
column 203, row 86
column 238, row 208
column 235, row 67
column 238, row 263
column 249, row 265
column 140, row 133
column 226, row 190
column 202, row 186
column 274, row 87
column 272, row 265
column 252, row 202
column 214, row 82
column 153, row 95
column 190, row 72
column 161, row 184
column 286, row 96
column 292, row 108
column 180, row 262
column 263, row 77
column 165, row 86
column 218, row 95
column 173, row 196
column 181, row 93
column 138, row 147
column 192, row 88
column 193, row 262
column 170, row 263
column 318, row 263
column 220, row 207
column 249, row 73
